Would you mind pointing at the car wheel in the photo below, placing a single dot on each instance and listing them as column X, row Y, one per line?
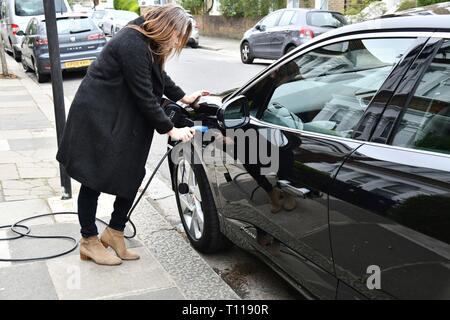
column 41, row 77
column 197, row 209
column 112, row 31
column 246, row 53
column 289, row 49
column 25, row 66
column 17, row 55
column 194, row 45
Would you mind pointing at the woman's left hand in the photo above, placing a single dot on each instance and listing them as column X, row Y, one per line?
column 192, row 99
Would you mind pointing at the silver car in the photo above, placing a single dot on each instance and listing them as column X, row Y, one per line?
column 15, row 15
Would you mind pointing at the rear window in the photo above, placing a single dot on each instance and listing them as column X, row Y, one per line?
column 26, row 8
column 98, row 14
column 73, row 25
column 326, row 19
column 126, row 15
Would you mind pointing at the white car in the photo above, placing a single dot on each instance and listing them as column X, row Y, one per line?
column 114, row 20
column 194, row 39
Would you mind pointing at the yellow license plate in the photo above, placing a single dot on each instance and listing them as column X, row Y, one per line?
column 77, row 64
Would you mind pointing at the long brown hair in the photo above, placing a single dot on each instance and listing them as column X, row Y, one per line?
column 161, row 23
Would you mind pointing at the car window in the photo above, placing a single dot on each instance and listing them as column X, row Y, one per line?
column 326, row 19
column 286, row 18
column 426, row 122
column 28, row 29
column 99, row 14
column 271, row 21
column 33, row 27
column 25, row 8
column 327, row 90
column 74, row 25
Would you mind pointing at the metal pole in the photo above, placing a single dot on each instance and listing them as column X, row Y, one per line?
column 3, row 58
column 57, row 87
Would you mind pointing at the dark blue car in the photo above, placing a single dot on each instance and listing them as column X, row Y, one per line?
column 80, row 43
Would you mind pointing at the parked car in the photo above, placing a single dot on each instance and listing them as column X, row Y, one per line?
column 355, row 200
column 284, row 30
column 114, row 20
column 98, row 15
column 15, row 15
column 80, row 43
column 194, row 38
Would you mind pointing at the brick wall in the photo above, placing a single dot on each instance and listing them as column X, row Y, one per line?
column 336, row 5
column 220, row 26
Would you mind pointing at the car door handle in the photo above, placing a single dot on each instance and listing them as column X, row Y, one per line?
column 300, row 192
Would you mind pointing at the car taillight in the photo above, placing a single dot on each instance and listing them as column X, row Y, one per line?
column 15, row 28
column 306, row 33
column 96, row 36
column 41, row 41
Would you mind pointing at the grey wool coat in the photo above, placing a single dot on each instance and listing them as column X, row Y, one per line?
column 113, row 116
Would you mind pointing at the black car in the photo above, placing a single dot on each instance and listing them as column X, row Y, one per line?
column 286, row 29
column 80, row 43
column 358, row 205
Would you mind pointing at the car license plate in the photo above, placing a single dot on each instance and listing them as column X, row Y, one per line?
column 77, row 64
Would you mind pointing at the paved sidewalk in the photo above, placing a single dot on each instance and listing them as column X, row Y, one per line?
column 29, row 185
column 222, row 45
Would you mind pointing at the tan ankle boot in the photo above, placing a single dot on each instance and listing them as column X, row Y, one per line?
column 275, row 204
column 289, row 202
column 115, row 239
column 92, row 249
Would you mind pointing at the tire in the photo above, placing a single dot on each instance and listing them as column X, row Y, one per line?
column 25, row 66
column 246, row 53
column 208, row 238
column 41, row 77
column 17, row 55
column 289, row 49
column 194, row 45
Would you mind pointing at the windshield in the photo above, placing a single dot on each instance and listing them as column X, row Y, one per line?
column 25, row 8
column 126, row 15
column 98, row 14
column 326, row 19
column 74, row 25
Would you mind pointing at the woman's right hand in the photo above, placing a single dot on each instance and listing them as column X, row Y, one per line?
column 184, row 134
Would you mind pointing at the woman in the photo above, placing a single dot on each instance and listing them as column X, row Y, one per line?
column 112, row 119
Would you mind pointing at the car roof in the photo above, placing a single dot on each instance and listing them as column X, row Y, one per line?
column 395, row 24
column 66, row 15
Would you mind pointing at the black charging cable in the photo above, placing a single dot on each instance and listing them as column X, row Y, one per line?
column 22, row 230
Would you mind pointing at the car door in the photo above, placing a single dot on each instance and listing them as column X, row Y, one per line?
column 27, row 44
column 307, row 109
column 390, row 209
column 261, row 38
column 280, row 34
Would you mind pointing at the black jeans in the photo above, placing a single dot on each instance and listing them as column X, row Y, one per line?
column 87, row 209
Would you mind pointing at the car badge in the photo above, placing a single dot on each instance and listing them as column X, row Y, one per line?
column 72, row 39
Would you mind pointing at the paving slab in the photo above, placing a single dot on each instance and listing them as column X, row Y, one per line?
column 8, row 171
column 42, row 169
column 76, row 279
column 26, row 282
column 11, row 212
column 4, row 145
column 23, row 121
column 32, row 144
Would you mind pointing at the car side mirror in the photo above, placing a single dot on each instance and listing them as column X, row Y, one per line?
column 20, row 33
column 260, row 27
column 234, row 113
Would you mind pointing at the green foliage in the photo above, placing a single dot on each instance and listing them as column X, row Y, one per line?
column 407, row 4
column 193, row 6
column 250, row 8
column 129, row 5
column 422, row 3
column 356, row 6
